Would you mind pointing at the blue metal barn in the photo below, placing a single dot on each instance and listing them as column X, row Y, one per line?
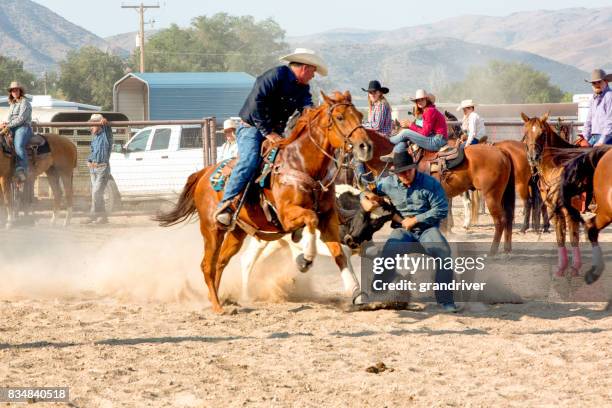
column 181, row 95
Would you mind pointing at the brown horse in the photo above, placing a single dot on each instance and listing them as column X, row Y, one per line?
column 484, row 168
column 546, row 150
column 591, row 171
column 525, row 189
column 58, row 165
column 301, row 190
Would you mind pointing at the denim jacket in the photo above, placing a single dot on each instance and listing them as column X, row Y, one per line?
column 424, row 199
column 101, row 145
column 275, row 96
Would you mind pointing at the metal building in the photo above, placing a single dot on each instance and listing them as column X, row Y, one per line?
column 181, row 95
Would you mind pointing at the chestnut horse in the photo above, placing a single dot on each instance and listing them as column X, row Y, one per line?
column 591, row 171
column 484, row 168
column 301, row 190
column 546, row 151
column 57, row 165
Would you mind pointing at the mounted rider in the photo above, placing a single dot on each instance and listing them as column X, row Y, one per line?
column 472, row 124
column 19, row 121
column 275, row 96
column 432, row 136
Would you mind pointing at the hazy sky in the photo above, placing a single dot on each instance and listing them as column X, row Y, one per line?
column 298, row 17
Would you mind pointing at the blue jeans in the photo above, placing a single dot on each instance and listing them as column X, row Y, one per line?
column 21, row 136
column 248, row 140
column 431, row 242
column 99, row 179
column 432, row 143
column 595, row 138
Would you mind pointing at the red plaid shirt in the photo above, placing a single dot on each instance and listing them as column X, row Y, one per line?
column 379, row 119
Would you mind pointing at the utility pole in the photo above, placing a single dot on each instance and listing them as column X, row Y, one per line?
column 141, row 9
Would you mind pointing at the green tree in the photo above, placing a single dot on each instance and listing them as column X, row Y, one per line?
column 88, row 75
column 12, row 70
column 504, row 82
column 218, row 43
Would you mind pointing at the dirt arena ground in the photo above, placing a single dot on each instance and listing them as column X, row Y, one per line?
column 118, row 314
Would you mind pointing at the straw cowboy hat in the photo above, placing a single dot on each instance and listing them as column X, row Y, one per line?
column 466, row 103
column 229, row 124
column 421, row 93
column 16, row 85
column 599, row 75
column 375, row 86
column 96, row 117
column 306, row 56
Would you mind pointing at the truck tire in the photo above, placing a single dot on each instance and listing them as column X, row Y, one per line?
column 112, row 198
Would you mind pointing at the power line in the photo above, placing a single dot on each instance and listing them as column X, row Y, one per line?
column 141, row 9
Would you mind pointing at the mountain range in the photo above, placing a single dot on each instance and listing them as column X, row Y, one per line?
column 563, row 43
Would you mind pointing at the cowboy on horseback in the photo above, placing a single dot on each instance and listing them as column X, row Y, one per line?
column 472, row 124
column 432, row 136
column 276, row 95
column 19, row 121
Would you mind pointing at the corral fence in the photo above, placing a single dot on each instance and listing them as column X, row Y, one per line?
column 202, row 133
column 198, row 134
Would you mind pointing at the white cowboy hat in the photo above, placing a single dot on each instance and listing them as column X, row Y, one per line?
column 421, row 93
column 96, row 117
column 16, row 85
column 466, row 103
column 229, row 124
column 306, row 56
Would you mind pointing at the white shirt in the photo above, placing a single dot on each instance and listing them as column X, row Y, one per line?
column 474, row 126
column 227, row 150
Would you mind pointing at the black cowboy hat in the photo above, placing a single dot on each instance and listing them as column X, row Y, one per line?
column 375, row 86
column 402, row 161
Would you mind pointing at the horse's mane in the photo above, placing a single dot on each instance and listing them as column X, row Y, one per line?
column 552, row 134
column 308, row 115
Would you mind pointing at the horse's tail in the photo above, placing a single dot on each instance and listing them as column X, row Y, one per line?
column 185, row 207
column 577, row 178
column 509, row 196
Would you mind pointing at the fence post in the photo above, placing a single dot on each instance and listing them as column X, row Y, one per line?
column 213, row 140
column 205, row 138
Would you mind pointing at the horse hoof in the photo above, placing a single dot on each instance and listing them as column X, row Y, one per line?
column 302, row 263
column 560, row 273
column 592, row 275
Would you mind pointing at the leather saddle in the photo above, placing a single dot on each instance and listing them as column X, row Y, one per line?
column 431, row 162
column 36, row 146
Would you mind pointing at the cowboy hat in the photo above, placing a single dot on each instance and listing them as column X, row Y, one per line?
column 402, row 161
column 96, row 117
column 599, row 75
column 422, row 94
column 229, row 124
column 16, row 85
column 308, row 57
column 466, row 103
column 375, row 86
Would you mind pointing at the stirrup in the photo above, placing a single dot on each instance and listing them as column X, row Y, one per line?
column 224, row 215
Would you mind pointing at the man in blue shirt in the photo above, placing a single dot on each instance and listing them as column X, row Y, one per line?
column 422, row 203
column 276, row 95
column 99, row 167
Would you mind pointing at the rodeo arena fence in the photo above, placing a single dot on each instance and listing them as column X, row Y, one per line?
column 170, row 151
column 173, row 149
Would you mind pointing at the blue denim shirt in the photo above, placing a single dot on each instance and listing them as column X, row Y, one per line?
column 424, row 199
column 273, row 99
column 101, row 145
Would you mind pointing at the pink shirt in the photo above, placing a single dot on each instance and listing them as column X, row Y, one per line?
column 434, row 123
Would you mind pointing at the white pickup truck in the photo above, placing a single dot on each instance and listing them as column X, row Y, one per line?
column 154, row 163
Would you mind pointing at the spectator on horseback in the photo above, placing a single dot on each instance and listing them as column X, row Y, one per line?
column 598, row 124
column 20, row 123
column 229, row 149
column 276, row 95
column 99, row 167
column 422, row 204
column 472, row 124
column 433, row 135
column 379, row 119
